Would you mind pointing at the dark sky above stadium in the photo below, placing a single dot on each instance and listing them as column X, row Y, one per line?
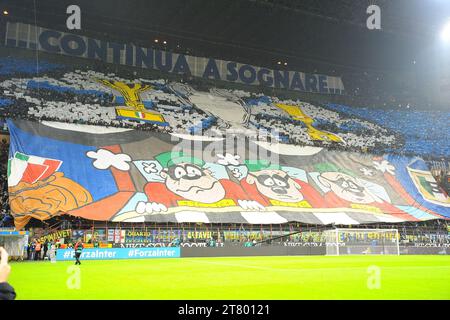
column 322, row 35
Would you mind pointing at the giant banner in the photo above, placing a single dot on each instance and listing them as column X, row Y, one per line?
column 37, row 38
column 136, row 176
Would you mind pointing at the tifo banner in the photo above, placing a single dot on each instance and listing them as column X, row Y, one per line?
column 25, row 36
column 119, row 253
column 137, row 176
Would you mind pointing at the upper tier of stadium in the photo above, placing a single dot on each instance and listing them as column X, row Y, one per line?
column 112, row 96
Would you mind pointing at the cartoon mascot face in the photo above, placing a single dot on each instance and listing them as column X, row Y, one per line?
column 193, row 182
column 346, row 187
column 276, row 184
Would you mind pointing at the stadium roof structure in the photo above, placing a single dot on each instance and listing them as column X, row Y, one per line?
column 322, row 36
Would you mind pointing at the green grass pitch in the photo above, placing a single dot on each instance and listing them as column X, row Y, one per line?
column 303, row 277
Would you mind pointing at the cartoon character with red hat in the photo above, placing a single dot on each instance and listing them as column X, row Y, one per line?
column 344, row 189
column 272, row 185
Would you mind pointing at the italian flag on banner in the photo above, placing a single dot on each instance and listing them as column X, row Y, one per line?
column 139, row 115
column 29, row 169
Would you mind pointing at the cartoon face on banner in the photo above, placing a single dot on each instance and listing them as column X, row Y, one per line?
column 346, row 187
column 187, row 177
column 275, row 184
column 176, row 179
column 192, row 182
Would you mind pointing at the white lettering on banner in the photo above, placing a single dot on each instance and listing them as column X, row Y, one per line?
column 153, row 253
column 161, row 244
column 98, row 254
column 57, row 42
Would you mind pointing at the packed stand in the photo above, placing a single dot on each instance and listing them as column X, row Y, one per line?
column 5, row 218
column 191, row 106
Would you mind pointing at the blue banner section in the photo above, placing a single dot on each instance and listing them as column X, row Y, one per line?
column 14, row 65
column 119, row 253
column 424, row 132
column 48, row 86
column 78, row 170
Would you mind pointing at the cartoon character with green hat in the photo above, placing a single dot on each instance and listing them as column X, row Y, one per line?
column 188, row 183
column 343, row 188
column 271, row 185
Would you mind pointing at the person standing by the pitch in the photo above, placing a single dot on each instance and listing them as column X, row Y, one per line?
column 78, row 249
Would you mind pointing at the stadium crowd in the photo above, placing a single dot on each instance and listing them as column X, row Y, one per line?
column 5, row 218
column 74, row 95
